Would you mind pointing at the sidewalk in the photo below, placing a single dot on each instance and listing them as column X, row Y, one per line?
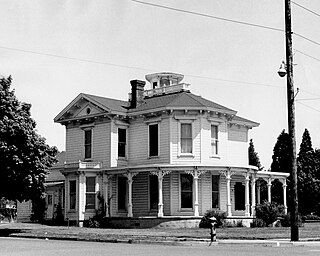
column 147, row 236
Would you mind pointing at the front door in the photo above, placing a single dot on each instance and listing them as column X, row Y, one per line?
column 50, row 204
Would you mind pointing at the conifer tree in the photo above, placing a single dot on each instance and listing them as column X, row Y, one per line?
column 308, row 183
column 253, row 156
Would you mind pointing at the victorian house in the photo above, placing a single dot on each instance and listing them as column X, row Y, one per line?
column 163, row 153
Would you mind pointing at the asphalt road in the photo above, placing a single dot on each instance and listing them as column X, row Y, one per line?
column 37, row 247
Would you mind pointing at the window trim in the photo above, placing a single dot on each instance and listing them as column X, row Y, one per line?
column 218, row 191
column 215, row 140
column 69, row 195
column 126, row 142
column 180, row 194
column 180, row 153
column 158, row 140
column 149, row 194
column 91, row 193
column 91, row 143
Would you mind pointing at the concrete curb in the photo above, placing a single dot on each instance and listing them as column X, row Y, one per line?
column 183, row 242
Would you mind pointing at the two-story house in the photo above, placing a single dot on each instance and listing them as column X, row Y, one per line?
column 164, row 152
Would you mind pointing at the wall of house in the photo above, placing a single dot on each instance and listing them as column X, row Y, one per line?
column 100, row 143
column 138, row 145
column 237, row 153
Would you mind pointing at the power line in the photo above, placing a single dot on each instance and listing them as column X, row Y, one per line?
column 223, row 19
column 307, row 55
column 209, row 16
column 306, row 38
column 235, row 81
column 72, row 58
column 308, row 99
column 129, row 67
column 307, row 106
column 299, row 5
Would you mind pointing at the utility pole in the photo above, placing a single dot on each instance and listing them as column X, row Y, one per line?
column 291, row 123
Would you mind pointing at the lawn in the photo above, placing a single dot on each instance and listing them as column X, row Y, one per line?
column 309, row 231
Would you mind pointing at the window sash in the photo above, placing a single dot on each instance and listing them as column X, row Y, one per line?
column 87, row 143
column 214, row 140
column 122, row 142
column 186, row 191
column 122, row 193
column 153, row 140
column 154, row 192
column 215, row 191
column 186, row 138
column 72, row 194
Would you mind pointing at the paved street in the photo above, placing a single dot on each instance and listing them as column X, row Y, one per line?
column 37, row 247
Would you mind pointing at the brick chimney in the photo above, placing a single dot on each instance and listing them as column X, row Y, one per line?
column 137, row 89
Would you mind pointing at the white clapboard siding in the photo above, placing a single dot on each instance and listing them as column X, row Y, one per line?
column 101, row 143
column 140, row 194
column 74, row 144
column 138, row 143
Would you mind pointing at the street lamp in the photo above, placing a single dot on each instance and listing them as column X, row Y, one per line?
column 282, row 70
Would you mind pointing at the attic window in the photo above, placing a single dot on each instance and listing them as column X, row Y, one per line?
column 88, row 110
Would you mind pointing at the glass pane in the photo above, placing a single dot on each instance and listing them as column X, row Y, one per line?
column 186, row 200
column 153, row 140
column 72, row 188
column 122, row 135
column 87, row 151
column 72, row 201
column 90, row 184
column 215, row 199
column 186, row 145
column 121, row 149
column 215, row 182
column 122, row 191
column 87, row 137
column 186, row 131
column 154, row 196
column 90, row 201
column 214, row 132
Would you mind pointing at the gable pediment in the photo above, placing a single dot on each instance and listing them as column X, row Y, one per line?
column 80, row 107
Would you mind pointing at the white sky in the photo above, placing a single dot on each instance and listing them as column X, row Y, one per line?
column 133, row 40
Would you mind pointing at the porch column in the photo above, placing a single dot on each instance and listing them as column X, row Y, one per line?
column 284, row 186
column 130, row 176
column 258, row 193
column 106, row 193
column 228, row 173
column 196, row 174
column 269, row 184
column 247, row 199
column 253, row 194
column 160, row 173
column 82, row 198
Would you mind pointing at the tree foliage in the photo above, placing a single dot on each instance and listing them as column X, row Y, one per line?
column 24, row 155
column 308, row 177
column 281, row 162
column 253, row 156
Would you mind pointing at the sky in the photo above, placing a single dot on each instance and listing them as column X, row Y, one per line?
column 55, row 50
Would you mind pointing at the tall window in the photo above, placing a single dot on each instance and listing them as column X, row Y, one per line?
column 122, row 141
column 122, row 193
column 153, row 140
column 239, row 196
column 186, row 181
column 90, row 192
column 87, row 143
column 186, row 138
column 72, row 194
column 214, row 140
column 153, row 190
column 215, row 191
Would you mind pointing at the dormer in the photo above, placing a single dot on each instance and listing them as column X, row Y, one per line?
column 164, row 83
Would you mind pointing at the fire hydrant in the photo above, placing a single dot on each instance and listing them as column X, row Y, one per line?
column 213, row 229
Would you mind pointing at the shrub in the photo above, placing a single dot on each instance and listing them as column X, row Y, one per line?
column 310, row 217
column 269, row 212
column 206, row 222
column 285, row 220
column 258, row 223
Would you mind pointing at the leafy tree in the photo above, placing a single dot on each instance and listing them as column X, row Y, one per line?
column 308, row 182
column 281, row 162
column 253, row 156
column 24, row 155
